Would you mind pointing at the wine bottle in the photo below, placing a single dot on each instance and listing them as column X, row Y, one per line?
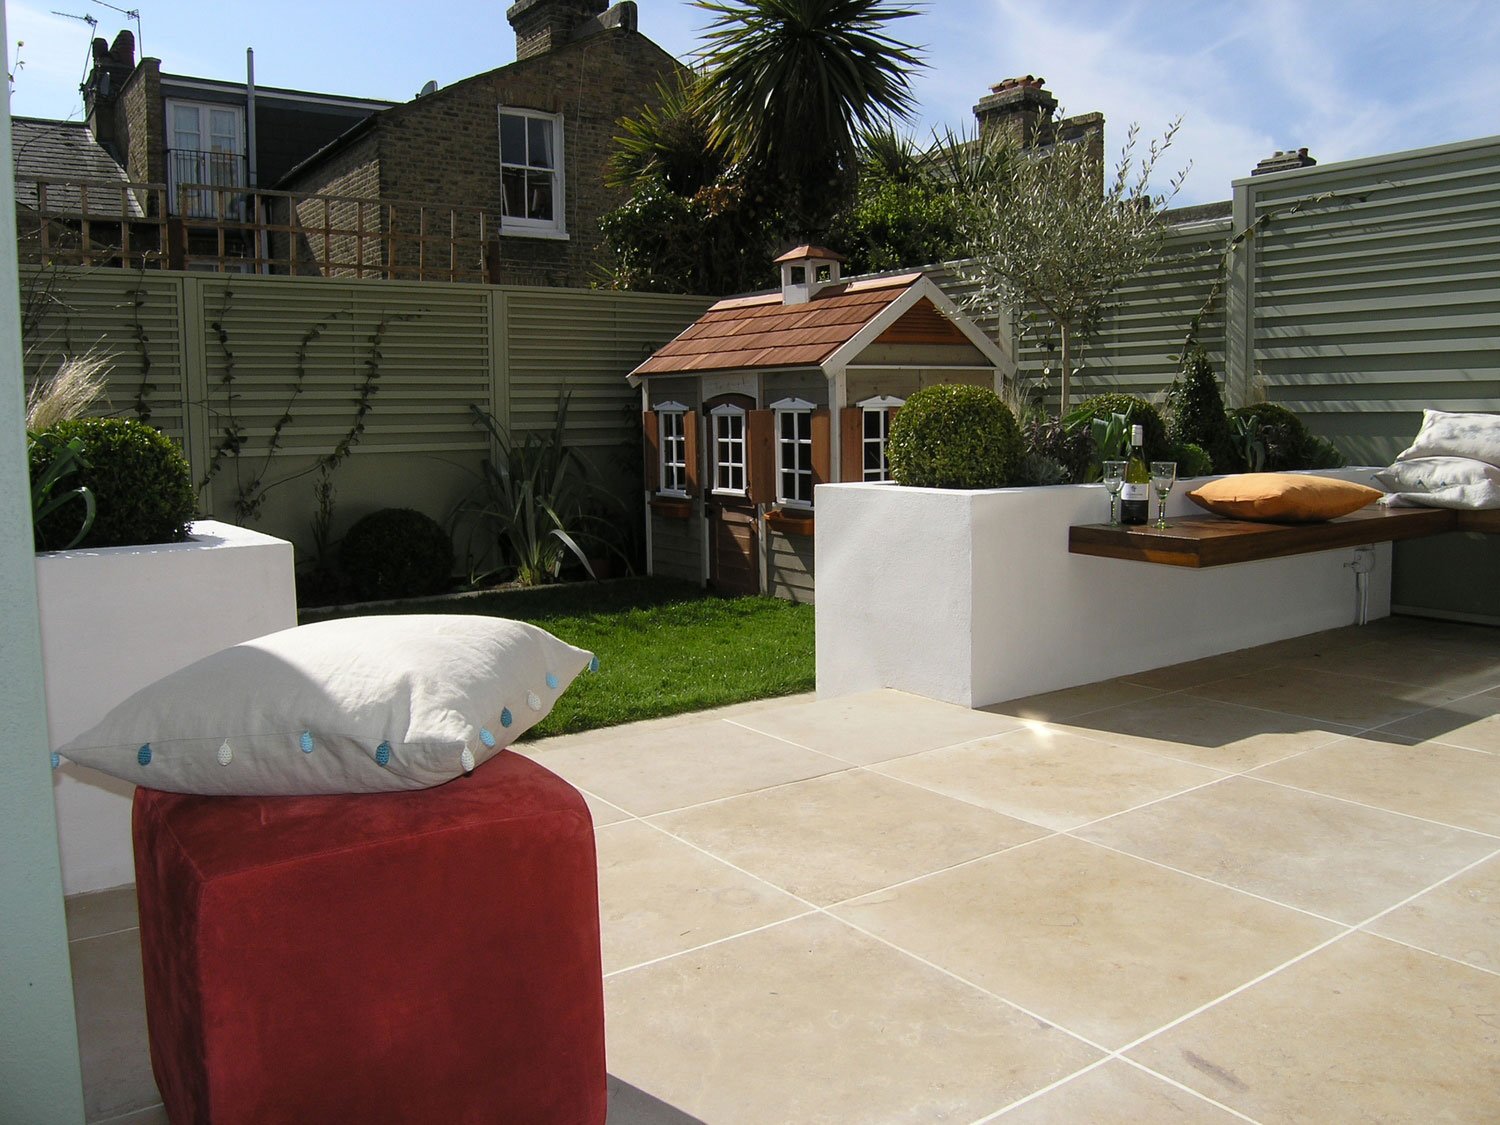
column 1135, row 503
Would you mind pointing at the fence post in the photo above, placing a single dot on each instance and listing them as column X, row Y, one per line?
column 1239, row 301
column 499, row 356
column 197, row 422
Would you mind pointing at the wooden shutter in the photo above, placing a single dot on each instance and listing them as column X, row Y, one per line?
column 851, row 443
column 651, row 429
column 690, row 450
column 822, row 447
column 760, row 455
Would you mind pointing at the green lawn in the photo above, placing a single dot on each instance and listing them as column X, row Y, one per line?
column 663, row 647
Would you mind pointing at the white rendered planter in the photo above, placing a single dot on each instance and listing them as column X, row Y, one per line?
column 973, row 598
column 115, row 619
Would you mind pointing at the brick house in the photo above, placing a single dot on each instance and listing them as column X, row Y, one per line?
column 176, row 129
column 526, row 144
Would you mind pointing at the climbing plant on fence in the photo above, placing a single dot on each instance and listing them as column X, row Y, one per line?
column 253, row 466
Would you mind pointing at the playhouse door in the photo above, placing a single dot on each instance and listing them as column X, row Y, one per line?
column 733, row 531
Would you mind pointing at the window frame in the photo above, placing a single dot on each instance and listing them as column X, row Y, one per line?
column 728, row 413
column 557, row 226
column 668, row 467
column 797, row 407
column 203, row 204
column 881, row 405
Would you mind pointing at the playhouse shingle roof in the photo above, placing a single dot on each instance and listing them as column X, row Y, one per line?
column 761, row 331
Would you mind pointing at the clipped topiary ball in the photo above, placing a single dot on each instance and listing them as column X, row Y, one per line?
column 954, row 436
column 396, row 553
column 1289, row 444
column 1138, row 411
column 1191, row 460
column 142, row 485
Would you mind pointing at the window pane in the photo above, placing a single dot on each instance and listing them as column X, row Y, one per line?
column 223, row 128
column 539, row 196
column 512, row 139
column 185, row 126
column 539, row 142
column 513, row 192
column 873, row 418
column 873, row 458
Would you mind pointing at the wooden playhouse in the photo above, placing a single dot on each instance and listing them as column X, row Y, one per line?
column 767, row 396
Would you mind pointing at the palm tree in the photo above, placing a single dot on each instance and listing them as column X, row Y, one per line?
column 671, row 139
column 791, row 84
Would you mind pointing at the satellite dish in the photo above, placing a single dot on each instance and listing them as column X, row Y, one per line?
column 430, row 88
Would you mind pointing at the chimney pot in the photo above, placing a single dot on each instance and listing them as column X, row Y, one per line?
column 1283, row 162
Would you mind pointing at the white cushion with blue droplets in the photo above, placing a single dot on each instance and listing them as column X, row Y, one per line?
column 358, row 705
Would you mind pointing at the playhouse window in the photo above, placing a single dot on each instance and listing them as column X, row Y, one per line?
column 794, row 475
column 672, row 431
column 877, row 432
column 729, row 449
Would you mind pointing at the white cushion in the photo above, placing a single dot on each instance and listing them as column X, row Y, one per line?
column 1441, row 482
column 1445, row 434
column 357, row 705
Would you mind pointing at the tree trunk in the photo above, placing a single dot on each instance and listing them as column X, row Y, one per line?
column 1065, row 386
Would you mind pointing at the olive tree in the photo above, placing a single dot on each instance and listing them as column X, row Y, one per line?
column 1053, row 237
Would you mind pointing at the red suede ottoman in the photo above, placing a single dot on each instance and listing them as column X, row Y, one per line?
column 426, row 956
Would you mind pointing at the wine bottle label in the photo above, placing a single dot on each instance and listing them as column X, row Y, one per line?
column 1133, row 492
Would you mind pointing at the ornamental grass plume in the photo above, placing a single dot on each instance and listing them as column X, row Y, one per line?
column 76, row 385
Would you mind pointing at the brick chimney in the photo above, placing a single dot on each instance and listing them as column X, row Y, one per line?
column 542, row 25
column 1015, row 109
column 112, row 65
column 1283, row 162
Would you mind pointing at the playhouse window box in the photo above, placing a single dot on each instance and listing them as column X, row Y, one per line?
column 790, row 521
column 673, row 507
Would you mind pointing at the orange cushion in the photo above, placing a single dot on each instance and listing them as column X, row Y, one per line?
column 1282, row 497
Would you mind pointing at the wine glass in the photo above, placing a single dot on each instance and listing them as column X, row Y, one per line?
column 1163, row 477
column 1114, row 480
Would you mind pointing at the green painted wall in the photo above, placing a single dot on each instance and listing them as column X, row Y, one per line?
column 40, row 1079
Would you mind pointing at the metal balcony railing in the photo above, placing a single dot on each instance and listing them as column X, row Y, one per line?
column 219, row 170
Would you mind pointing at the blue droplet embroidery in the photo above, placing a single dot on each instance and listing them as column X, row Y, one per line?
column 383, row 754
column 143, row 755
column 306, row 742
column 56, row 759
column 551, row 680
column 505, row 719
column 486, row 737
column 593, row 664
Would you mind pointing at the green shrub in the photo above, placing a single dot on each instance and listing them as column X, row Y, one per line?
column 1191, row 460
column 141, row 483
column 1054, row 453
column 396, row 553
column 1197, row 411
column 1287, row 442
column 955, row 436
column 1320, row 453
column 1137, row 411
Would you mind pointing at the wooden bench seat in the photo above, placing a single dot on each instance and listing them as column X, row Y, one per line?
column 1201, row 541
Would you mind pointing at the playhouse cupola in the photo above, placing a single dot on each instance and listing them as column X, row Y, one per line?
column 805, row 270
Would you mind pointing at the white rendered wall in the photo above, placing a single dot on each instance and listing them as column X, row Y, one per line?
column 973, row 598
column 115, row 619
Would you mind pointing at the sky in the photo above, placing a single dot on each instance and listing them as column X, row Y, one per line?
column 1343, row 78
